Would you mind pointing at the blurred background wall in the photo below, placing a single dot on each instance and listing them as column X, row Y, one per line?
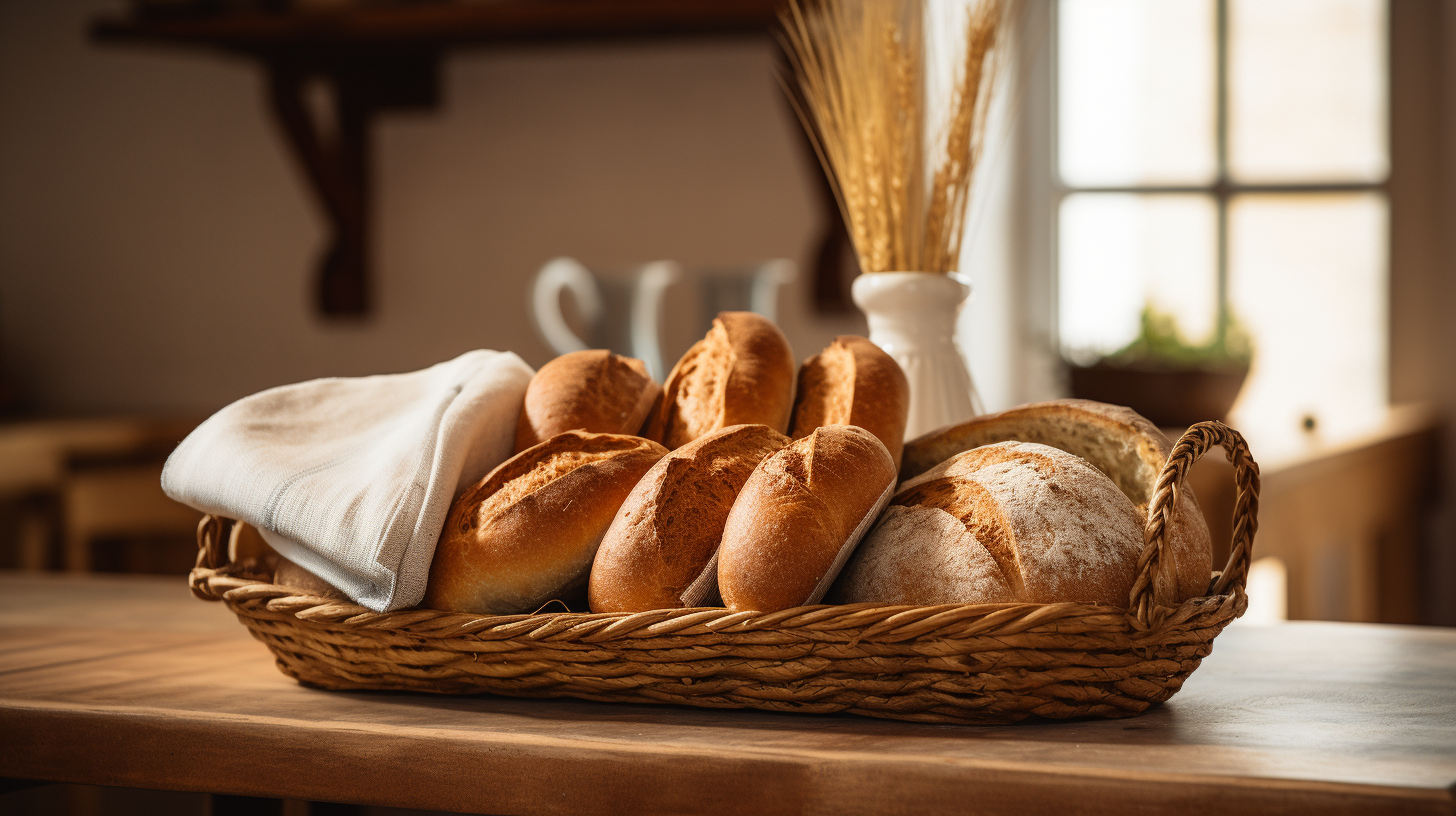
column 157, row 247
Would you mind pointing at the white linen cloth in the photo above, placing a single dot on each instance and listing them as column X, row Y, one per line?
column 351, row 478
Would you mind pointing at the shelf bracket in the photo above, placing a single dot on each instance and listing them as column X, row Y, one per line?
column 331, row 144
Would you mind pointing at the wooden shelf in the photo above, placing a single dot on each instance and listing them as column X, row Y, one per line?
column 380, row 57
column 448, row 24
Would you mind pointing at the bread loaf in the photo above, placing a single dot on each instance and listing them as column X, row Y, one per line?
column 799, row 516
column 853, row 382
column 741, row 373
column 1126, row 448
column 594, row 391
column 665, row 538
column 526, row 533
column 1012, row 522
column 291, row 575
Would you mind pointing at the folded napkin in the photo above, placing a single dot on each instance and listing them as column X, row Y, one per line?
column 351, row 478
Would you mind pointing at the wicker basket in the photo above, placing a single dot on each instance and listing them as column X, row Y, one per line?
column 986, row 663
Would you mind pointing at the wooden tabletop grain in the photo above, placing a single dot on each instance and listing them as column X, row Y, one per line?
column 128, row 681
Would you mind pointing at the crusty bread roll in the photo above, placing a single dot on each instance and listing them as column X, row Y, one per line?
column 1117, row 441
column 293, row 576
column 741, row 373
column 799, row 516
column 526, row 533
column 664, row 539
column 1004, row 523
column 853, row 382
column 594, row 391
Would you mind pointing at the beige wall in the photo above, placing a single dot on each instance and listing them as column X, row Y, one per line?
column 157, row 248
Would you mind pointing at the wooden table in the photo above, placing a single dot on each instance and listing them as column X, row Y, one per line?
column 129, row 681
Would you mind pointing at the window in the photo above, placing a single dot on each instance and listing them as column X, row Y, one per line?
column 1217, row 157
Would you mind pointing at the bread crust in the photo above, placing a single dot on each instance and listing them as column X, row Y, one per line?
column 741, row 373
column 291, row 575
column 668, row 530
column 594, row 391
column 526, row 534
column 796, row 514
column 853, row 382
column 1120, row 443
column 1011, row 522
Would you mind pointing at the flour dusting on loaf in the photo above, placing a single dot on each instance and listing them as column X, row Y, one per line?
column 1115, row 440
column 924, row 555
column 1032, row 524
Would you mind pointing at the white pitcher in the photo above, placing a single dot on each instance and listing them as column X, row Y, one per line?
column 627, row 316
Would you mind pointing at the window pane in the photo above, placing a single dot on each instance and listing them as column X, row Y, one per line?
column 1307, row 94
column 1307, row 276
column 1120, row 252
column 1136, row 92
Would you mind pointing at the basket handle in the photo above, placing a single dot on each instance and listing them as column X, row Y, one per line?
column 212, row 542
column 1153, row 574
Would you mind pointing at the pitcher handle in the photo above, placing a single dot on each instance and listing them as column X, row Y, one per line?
column 556, row 275
column 653, row 281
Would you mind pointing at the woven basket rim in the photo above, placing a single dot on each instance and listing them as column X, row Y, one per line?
column 216, row 578
column 868, row 622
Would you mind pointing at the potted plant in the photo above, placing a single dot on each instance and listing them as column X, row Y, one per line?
column 1172, row 382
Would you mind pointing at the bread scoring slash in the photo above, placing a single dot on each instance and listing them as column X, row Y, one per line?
column 741, row 373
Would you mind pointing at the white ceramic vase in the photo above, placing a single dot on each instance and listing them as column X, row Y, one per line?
column 912, row 316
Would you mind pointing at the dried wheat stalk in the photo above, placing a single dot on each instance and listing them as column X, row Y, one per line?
column 860, row 66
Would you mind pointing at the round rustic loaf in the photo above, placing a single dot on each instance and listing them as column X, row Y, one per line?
column 799, row 516
column 660, row 551
column 1013, row 522
column 853, row 382
column 526, row 533
column 594, row 391
column 1125, row 447
column 741, row 373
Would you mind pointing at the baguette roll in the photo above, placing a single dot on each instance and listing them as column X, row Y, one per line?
column 1012, row 522
column 1124, row 446
column 661, row 550
column 594, row 391
column 799, row 517
column 853, row 382
column 526, row 534
column 741, row 373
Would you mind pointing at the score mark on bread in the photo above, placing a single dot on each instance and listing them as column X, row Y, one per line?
column 741, row 373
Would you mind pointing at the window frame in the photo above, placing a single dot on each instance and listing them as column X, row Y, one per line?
column 1222, row 189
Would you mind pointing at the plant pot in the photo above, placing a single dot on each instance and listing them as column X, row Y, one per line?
column 1169, row 396
column 912, row 316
